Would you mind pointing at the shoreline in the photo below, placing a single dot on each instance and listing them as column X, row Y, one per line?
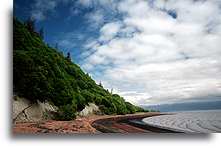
column 130, row 124
column 93, row 124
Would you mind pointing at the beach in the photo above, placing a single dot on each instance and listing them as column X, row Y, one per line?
column 92, row 124
column 151, row 122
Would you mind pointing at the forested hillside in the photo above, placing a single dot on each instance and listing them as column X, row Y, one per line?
column 43, row 73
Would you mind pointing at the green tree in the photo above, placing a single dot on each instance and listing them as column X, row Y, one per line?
column 30, row 23
column 41, row 32
column 69, row 56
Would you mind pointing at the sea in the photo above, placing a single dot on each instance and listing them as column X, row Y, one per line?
column 187, row 106
column 191, row 117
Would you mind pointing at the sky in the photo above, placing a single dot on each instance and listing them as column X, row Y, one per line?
column 148, row 51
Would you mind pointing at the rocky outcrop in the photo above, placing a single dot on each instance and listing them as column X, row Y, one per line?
column 90, row 109
column 24, row 110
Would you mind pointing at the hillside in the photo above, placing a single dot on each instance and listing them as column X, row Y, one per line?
column 43, row 73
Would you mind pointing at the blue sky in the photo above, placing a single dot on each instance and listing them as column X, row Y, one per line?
column 60, row 23
column 148, row 51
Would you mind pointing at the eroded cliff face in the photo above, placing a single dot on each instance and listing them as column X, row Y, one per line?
column 90, row 109
column 23, row 110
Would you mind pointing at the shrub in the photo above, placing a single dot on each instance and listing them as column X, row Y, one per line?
column 130, row 108
column 81, row 102
column 66, row 112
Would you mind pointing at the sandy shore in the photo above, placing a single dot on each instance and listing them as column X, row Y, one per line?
column 91, row 124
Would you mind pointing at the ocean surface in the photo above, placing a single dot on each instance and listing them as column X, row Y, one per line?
column 190, row 106
column 206, row 121
column 194, row 117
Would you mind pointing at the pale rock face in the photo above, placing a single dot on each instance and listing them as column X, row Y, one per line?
column 46, row 106
column 24, row 110
column 19, row 104
column 90, row 109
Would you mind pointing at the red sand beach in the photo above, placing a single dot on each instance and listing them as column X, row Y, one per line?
column 91, row 124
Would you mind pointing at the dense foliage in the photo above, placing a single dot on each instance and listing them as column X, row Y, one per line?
column 42, row 73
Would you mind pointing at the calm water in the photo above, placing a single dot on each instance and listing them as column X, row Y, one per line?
column 200, row 117
column 204, row 121
column 191, row 106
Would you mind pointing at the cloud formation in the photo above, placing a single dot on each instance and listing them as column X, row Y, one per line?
column 149, row 51
column 41, row 7
column 159, row 51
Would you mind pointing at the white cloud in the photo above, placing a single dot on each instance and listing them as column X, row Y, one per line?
column 166, row 82
column 95, row 18
column 85, row 3
column 109, row 30
column 151, row 57
column 97, row 3
column 100, row 11
column 38, row 15
column 42, row 7
column 68, row 41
